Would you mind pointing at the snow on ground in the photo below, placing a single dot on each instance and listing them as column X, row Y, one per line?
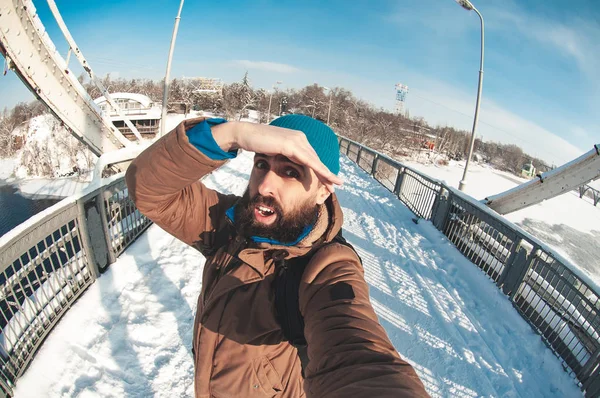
column 482, row 180
column 7, row 167
column 568, row 224
column 130, row 334
column 37, row 188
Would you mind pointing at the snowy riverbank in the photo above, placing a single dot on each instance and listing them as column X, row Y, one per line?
column 39, row 188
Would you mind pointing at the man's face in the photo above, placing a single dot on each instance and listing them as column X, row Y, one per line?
column 281, row 200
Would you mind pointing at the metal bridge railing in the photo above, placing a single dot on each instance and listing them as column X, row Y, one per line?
column 47, row 262
column 594, row 194
column 549, row 295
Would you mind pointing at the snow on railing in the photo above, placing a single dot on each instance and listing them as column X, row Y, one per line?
column 556, row 298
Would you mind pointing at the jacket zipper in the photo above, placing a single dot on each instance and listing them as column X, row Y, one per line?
column 224, row 270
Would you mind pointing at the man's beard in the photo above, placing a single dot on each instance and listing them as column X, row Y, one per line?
column 286, row 228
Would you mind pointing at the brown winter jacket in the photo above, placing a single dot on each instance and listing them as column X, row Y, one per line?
column 237, row 341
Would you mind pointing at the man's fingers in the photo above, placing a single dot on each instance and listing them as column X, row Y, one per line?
column 301, row 152
column 312, row 160
column 325, row 175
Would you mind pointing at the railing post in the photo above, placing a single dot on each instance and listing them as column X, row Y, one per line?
column 440, row 209
column 360, row 148
column 92, row 233
column 374, row 166
column 514, row 270
column 590, row 375
column 348, row 148
column 399, row 181
column 100, row 198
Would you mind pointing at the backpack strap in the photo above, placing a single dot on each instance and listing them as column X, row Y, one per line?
column 287, row 304
column 287, row 290
column 287, row 298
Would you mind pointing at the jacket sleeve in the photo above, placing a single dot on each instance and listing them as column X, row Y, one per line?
column 349, row 352
column 163, row 182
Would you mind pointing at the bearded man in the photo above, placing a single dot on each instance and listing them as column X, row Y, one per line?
column 289, row 211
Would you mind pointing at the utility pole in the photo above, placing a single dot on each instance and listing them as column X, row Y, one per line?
column 163, row 119
column 467, row 5
column 270, row 99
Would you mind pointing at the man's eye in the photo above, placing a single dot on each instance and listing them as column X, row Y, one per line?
column 261, row 164
column 292, row 173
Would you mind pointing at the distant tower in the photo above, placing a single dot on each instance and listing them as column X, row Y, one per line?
column 401, row 91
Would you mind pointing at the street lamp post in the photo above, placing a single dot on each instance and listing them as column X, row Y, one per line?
column 467, row 5
column 329, row 110
column 270, row 99
column 163, row 120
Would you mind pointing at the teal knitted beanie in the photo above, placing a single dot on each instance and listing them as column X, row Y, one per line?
column 319, row 135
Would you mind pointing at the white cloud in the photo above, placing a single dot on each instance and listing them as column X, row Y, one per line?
column 495, row 122
column 267, row 66
column 578, row 40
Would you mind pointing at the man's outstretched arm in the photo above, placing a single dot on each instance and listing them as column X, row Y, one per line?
column 349, row 352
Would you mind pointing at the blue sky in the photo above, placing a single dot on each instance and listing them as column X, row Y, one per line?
column 541, row 86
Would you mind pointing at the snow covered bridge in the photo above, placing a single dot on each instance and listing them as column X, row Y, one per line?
column 130, row 333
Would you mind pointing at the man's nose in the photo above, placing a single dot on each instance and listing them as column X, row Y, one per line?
column 269, row 184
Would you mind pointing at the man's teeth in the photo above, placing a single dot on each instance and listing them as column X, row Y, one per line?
column 265, row 210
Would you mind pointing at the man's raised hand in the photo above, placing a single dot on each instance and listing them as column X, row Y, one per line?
column 271, row 141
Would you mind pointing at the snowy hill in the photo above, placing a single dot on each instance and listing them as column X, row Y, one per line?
column 52, row 163
column 50, row 151
column 130, row 334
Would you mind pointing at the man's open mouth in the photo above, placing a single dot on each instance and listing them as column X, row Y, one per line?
column 265, row 211
column 265, row 214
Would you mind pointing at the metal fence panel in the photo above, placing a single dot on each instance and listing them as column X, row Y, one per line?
column 124, row 221
column 418, row 193
column 352, row 152
column 387, row 173
column 564, row 310
column 482, row 238
column 366, row 160
column 44, row 270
